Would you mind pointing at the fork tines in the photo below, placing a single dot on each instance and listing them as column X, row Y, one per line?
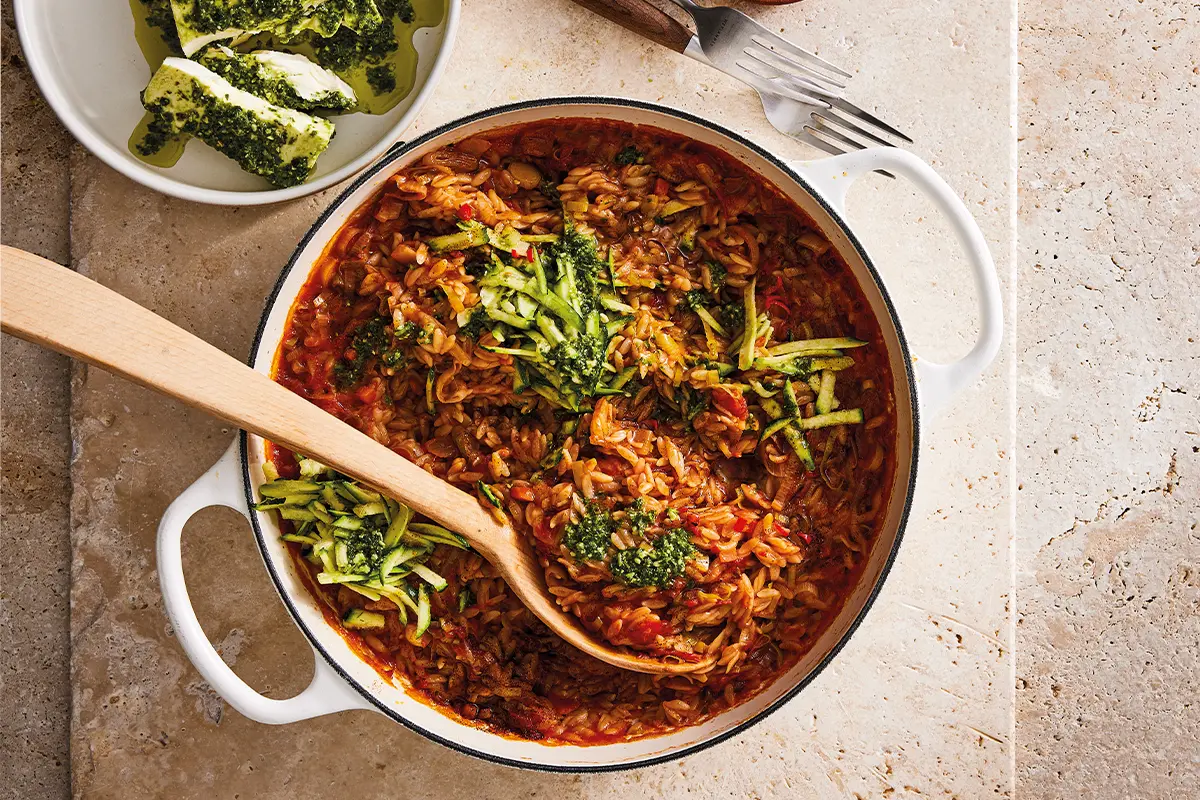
column 813, row 68
column 836, row 109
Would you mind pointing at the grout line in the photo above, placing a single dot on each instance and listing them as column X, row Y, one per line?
column 1013, row 294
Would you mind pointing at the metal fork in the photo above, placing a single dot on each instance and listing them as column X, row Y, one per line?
column 781, row 72
column 801, row 93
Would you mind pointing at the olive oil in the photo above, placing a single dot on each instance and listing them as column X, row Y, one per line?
column 402, row 63
column 167, row 155
column 426, row 14
column 154, row 48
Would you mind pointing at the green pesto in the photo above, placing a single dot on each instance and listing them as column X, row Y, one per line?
column 330, row 17
column 733, row 316
column 381, row 78
column 640, row 518
column 691, row 403
column 370, row 44
column 656, row 564
column 406, row 332
column 590, row 537
column 365, row 547
column 476, row 325
column 628, row 155
column 158, row 134
column 578, row 253
column 158, row 15
column 251, row 75
column 210, row 16
column 394, row 358
column 697, row 298
column 369, row 340
column 716, row 275
column 549, row 190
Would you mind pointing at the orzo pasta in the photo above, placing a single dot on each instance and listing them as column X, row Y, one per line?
column 655, row 366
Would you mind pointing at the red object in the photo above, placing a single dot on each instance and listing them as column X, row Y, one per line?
column 368, row 393
column 563, row 705
column 742, row 525
column 465, row 212
column 691, row 658
column 522, row 493
column 661, row 187
column 646, row 631
column 731, row 400
column 529, row 253
column 611, row 465
column 774, row 297
column 773, row 302
column 543, row 534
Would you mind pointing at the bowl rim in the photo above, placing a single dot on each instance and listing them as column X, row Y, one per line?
column 51, row 89
column 550, row 103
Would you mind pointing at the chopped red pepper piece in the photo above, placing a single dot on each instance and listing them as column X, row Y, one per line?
column 465, row 212
column 515, row 254
column 543, row 533
column 772, row 302
column 730, row 399
column 648, row 630
column 661, row 187
column 774, row 297
column 529, row 253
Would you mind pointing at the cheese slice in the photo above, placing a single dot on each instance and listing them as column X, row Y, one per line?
column 280, row 144
column 285, row 79
column 203, row 22
column 199, row 23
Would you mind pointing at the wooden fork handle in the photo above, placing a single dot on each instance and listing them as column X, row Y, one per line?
column 642, row 18
column 50, row 305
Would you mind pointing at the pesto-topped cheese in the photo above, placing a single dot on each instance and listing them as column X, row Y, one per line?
column 330, row 17
column 285, row 79
column 202, row 22
column 280, row 144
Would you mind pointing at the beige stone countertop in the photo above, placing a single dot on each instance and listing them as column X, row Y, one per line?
column 1068, row 472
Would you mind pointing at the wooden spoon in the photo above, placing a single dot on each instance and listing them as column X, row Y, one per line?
column 52, row 306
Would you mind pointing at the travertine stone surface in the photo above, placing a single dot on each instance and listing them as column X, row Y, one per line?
column 1107, row 423
column 1109, row 401
column 919, row 701
column 34, row 438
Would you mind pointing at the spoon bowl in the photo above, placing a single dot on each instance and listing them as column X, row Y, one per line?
column 112, row 332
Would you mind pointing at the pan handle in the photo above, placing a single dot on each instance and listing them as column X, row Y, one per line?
column 326, row 694
column 936, row 383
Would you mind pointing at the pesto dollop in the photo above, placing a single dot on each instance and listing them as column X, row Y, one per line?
column 369, row 47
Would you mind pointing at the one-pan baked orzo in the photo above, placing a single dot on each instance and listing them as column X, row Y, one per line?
column 646, row 357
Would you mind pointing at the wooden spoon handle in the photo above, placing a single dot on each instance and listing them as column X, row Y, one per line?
column 52, row 306
column 642, row 18
column 64, row 311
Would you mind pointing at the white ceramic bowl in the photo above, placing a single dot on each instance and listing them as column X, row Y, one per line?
column 344, row 681
column 88, row 65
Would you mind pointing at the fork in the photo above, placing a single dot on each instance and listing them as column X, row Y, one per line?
column 801, row 93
